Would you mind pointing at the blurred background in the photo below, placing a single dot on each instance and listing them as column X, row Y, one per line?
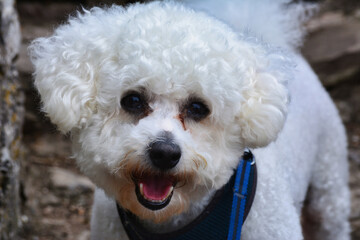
column 56, row 199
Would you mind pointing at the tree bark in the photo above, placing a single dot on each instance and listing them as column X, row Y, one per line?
column 11, row 119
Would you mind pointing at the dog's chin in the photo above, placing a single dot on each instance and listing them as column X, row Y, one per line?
column 154, row 197
column 144, row 209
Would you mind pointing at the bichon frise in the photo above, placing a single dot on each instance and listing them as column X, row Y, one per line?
column 161, row 101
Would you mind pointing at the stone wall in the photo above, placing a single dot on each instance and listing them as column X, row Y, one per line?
column 11, row 118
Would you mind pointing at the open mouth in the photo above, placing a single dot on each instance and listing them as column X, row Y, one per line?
column 154, row 191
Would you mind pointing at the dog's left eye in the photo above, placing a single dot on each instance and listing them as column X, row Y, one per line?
column 134, row 103
column 196, row 110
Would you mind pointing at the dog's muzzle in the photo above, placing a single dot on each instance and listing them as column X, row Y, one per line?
column 154, row 189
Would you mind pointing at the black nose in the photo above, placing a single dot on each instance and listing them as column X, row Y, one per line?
column 164, row 154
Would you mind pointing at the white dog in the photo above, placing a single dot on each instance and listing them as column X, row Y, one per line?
column 161, row 101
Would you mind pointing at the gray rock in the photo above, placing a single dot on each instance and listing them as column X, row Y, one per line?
column 333, row 47
column 65, row 179
column 85, row 235
column 345, row 110
column 354, row 156
column 49, row 199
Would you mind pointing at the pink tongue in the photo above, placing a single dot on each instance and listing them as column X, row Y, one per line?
column 156, row 188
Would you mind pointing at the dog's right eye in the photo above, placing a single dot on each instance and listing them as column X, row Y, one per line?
column 196, row 110
column 134, row 103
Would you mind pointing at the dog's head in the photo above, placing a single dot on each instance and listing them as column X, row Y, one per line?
column 160, row 101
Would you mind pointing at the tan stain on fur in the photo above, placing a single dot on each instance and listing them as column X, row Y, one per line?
column 180, row 117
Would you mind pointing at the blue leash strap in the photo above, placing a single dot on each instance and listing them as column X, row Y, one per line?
column 242, row 188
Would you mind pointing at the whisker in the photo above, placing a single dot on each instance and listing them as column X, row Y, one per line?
column 123, row 163
column 197, row 164
column 203, row 159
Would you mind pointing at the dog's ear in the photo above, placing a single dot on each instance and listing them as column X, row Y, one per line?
column 65, row 80
column 264, row 109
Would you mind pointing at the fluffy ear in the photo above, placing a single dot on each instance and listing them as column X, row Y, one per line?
column 67, row 63
column 64, row 80
column 263, row 112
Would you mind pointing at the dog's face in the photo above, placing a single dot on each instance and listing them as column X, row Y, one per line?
column 160, row 101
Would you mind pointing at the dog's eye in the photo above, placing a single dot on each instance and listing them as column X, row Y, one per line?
column 134, row 103
column 196, row 110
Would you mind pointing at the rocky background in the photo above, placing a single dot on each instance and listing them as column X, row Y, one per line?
column 57, row 198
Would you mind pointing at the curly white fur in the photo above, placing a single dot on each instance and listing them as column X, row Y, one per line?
column 173, row 53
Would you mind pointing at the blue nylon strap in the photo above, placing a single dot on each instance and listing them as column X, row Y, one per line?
column 239, row 199
column 244, row 199
column 235, row 201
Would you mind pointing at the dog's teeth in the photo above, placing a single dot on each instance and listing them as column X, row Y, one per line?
column 154, row 201
column 141, row 189
column 171, row 190
column 168, row 194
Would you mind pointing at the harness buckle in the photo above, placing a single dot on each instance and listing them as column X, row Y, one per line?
column 249, row 156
